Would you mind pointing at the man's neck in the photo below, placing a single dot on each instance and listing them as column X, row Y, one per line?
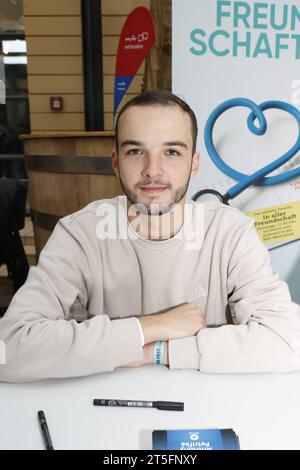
column 157, row 227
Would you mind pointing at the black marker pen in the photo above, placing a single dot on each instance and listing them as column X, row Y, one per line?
column 45, row 430
column 160, row 405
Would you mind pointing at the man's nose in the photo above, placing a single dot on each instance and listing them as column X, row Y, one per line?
column 153, row 167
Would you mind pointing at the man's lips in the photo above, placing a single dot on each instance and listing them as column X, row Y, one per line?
column 153, row 188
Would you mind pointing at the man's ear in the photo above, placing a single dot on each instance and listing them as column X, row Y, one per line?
column 195, row 164
column 114, row 162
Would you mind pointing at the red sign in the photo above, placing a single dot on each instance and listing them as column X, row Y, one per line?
column 136, row 39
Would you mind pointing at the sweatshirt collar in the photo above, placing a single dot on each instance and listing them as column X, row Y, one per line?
column 136, row 238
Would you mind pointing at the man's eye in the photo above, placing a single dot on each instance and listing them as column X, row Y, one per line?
column 172, row 152
column 134, row 152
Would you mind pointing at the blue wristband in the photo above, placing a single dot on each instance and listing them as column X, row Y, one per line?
column 158, row 353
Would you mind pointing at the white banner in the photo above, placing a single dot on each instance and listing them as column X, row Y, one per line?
column 227, row 49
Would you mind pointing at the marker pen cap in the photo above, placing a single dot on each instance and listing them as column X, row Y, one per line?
column 169, row 405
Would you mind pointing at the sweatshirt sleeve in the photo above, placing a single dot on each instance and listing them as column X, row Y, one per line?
column 41, row 341
column 266, row 333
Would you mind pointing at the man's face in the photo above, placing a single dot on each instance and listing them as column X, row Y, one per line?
column 154, row 162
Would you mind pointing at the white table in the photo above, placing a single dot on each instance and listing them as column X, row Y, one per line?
column 264, row 410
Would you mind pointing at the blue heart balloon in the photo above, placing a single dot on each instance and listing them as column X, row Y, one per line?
column 257, row 114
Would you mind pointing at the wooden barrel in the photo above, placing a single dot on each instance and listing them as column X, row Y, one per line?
column 66, row 171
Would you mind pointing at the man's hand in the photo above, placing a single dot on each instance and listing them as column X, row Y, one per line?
column 178, row 322
column 148, row 356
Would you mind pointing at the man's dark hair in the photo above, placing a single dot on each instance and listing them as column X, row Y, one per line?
column 162, row 98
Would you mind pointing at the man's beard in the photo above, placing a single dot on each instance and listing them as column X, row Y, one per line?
column 155, row 208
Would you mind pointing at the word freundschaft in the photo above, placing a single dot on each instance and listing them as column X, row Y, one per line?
column 251, row 29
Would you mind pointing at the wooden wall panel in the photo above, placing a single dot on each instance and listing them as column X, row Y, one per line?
column 121, row 7
column 54, row 45
column 58, row 121
column 57, row 46
column 55, row 84
column 73, row 103
column 53, row 25
column 112, row 25
column 53, row 7
column 53, row 65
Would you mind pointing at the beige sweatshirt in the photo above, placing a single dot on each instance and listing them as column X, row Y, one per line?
column 252, row 324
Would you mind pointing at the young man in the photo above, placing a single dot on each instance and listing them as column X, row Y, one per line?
column 162, row 278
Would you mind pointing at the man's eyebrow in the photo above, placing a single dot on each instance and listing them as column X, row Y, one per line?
column 131, row 142
column 171, row 143
column 178, row 143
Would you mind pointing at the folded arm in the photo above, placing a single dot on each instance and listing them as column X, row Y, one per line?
column 266, row 333
column 41, row 341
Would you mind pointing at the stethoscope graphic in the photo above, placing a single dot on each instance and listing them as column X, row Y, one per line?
column 258, row 178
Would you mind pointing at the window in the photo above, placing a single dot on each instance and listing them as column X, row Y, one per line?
column 14, row 104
